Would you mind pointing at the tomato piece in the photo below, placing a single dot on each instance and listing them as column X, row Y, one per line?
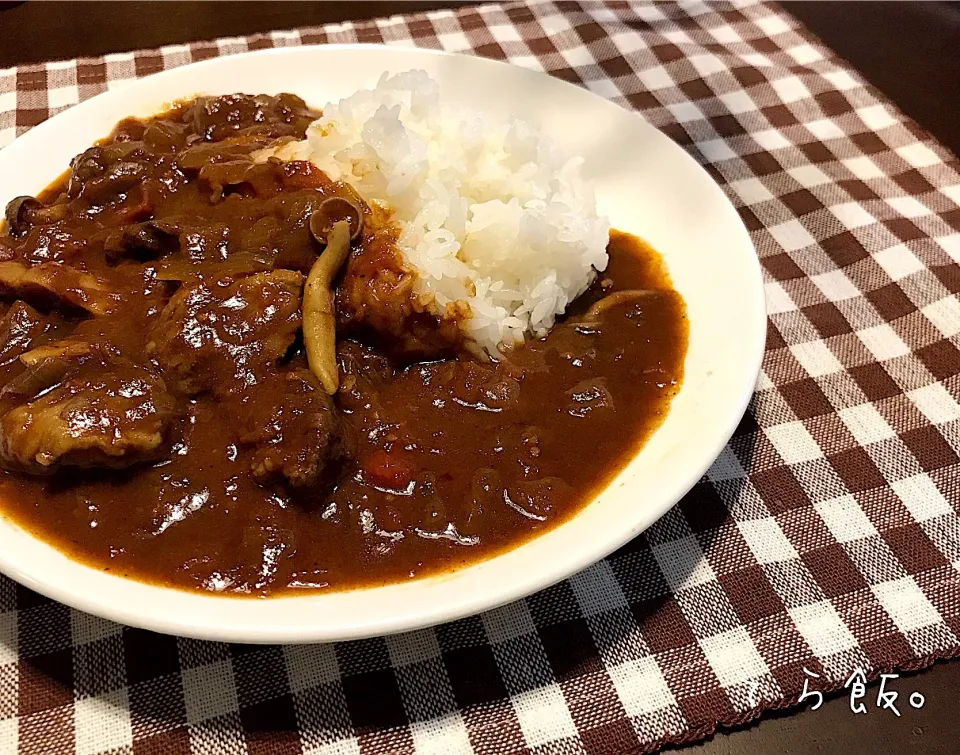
column 389, row 470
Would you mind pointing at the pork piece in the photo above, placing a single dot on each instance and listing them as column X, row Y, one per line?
column 217, row 118
column 158, row 136
column 483, row 386
column 80, row 405
column 140, row 241
column 20, row 328
column 52, row 285
column 220, row 336
column 299, row 438
column 107, row 172
column 258, row 179
column 363, row 374
column 359, row 362
column 377, row 304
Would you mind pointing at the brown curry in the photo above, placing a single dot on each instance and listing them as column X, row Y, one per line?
column 159, row 418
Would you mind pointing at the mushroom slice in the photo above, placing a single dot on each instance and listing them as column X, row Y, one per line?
column 23, row 213
column 319, row 314
column 60, row 286
column 592, row 316
column 18, row 215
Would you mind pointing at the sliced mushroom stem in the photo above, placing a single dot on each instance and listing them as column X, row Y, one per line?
column 591, row 318
column 319, row 313
column 617, row 298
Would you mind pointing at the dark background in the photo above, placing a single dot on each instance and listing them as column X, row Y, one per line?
column 908, row 50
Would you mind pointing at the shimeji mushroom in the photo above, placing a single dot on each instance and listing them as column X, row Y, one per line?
column 591, row 318
column 334, row 225
column 23, row 213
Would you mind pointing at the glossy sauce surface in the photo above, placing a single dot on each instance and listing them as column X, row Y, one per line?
column 450, row 461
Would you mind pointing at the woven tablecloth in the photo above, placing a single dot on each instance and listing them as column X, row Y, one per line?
column 825, row 539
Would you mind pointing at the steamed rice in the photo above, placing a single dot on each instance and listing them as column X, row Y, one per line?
column 491, row 214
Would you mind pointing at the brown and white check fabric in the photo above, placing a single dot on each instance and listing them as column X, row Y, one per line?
column 825, row 539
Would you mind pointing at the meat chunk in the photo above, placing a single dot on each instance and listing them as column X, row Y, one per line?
column 364, row 373
column 52, row 285
column 78, row 405
column 377, row 303
column 483, row 386
column 358, row 362
column 220, row 336
column 217, row 118
column 140, row 241
column 243, row 175
column 297, row 434
column 20, row 328
column 587, row 396
column 106, row 172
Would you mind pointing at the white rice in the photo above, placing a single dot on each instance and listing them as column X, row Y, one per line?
column 491, row 214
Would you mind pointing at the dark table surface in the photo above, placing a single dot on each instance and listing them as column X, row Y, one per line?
column 908, row 50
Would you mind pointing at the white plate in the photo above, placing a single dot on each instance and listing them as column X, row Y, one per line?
column 646, row 185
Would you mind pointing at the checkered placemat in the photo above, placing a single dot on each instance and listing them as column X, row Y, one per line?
column 825, row 539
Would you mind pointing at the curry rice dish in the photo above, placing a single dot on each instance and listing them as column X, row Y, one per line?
column 222, row 369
